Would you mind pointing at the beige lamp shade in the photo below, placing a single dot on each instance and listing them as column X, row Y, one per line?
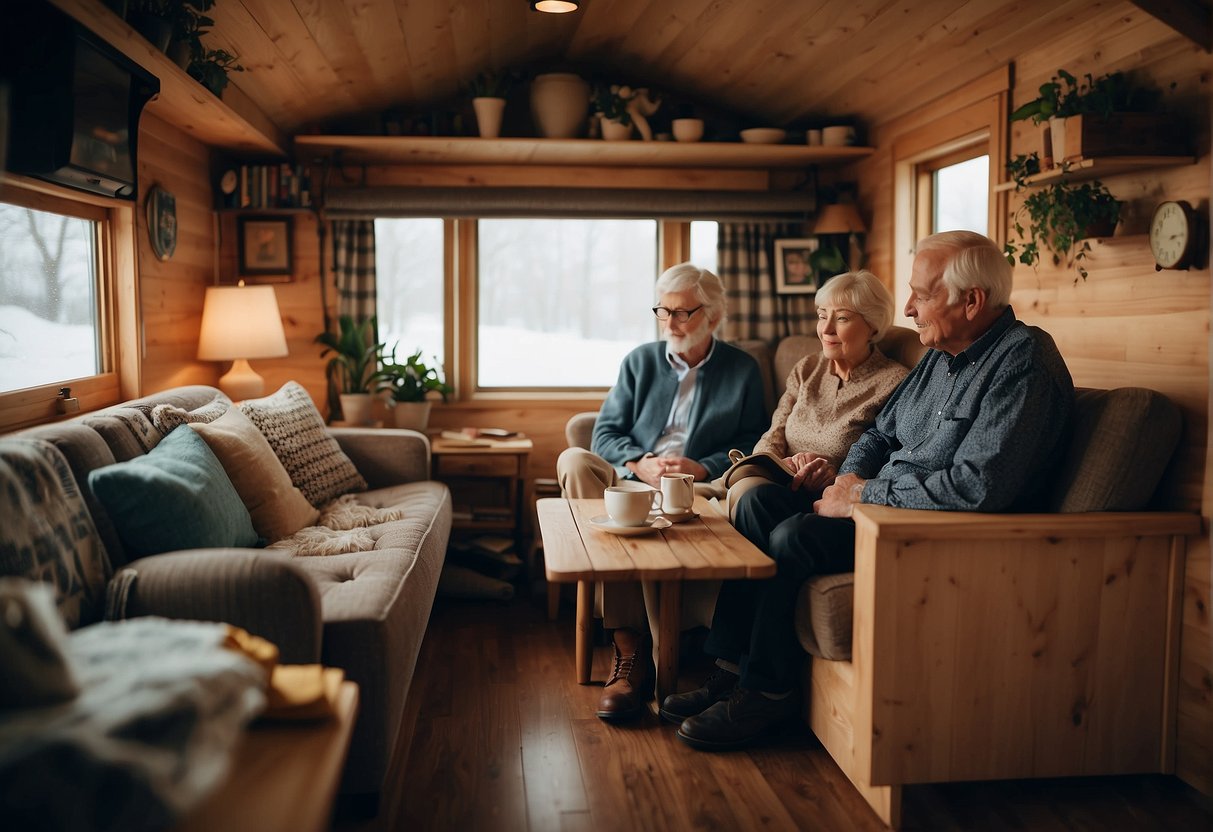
column 841, row 218
column 239, row 323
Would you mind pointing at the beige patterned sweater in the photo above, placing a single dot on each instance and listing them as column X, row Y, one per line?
column 821, row 413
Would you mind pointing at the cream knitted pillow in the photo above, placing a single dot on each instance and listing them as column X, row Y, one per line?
column 295, row 430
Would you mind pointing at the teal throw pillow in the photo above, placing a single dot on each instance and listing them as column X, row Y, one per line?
column 176, row 496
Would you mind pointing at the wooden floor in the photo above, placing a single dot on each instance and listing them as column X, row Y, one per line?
column 506, row 740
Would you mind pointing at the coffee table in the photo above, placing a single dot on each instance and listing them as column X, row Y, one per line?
column 704, row 548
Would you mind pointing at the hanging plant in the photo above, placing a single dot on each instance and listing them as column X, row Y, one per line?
column 1060, row 217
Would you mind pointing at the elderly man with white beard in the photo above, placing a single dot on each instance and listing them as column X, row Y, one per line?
column 679, row 405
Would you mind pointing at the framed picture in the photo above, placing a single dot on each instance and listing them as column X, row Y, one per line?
column 794, row 275
column 264, row 248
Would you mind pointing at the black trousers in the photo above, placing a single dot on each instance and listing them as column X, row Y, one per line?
column 753, row 623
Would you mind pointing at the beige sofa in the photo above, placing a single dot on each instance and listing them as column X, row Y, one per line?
column 364, row 611
column 999, row 646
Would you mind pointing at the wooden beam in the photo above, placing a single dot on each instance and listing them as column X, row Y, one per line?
column 1190, row 18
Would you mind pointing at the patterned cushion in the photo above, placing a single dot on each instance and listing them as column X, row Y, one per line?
column 48, row 534
column 277, row 507
column 127, row 431
column 176, row 496
column 165, row 417
column 296, row 432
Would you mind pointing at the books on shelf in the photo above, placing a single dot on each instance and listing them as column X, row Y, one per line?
column 272, row 186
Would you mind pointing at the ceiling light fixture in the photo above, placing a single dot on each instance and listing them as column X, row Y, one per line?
column 554, row 6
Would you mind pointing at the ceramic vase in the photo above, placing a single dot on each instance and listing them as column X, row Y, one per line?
column 356, row 408
column 488, row 116
column 412, row 415
column 616, row 131
column 559, row 102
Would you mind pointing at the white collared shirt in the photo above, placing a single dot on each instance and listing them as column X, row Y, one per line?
column 673, row 438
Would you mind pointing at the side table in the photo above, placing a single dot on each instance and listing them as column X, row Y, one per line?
column 487, row 482
column 284, row 776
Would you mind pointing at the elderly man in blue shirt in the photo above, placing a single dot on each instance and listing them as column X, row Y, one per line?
column 679, row 406
column 976, row 426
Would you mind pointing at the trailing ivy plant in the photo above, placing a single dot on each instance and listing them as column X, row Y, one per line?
column 1058, row 216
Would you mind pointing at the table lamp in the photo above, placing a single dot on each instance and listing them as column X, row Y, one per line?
column 839, row 218
column 238, row 323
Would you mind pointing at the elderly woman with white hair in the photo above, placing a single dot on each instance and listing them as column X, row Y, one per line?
column 833, row 396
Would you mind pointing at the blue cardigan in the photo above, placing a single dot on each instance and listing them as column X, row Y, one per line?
column 727, row 410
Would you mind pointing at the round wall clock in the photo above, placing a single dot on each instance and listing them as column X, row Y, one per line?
column 1173, row 232
column 161, row 222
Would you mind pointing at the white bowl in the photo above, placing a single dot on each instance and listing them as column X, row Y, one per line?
column 764, row 135
column 687, row 129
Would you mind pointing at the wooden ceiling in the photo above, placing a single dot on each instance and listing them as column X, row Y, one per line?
column 313, row 62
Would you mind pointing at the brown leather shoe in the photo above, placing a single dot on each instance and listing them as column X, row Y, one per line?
column 631, row 682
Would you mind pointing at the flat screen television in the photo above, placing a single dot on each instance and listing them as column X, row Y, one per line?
column 75, row 103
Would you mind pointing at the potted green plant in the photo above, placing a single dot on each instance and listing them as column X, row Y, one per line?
column 189, row 25
column 153, row 19
column 1060, row 216
column 611, row 105
column 1108, row 115
column 488, row 91
column 410, row 382
column 353, row 370
column 211, row 69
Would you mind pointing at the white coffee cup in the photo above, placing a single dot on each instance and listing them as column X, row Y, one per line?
column 629, row 503
column 812, row 137
column 687, row 129
column 677, row 493
column 838, row 136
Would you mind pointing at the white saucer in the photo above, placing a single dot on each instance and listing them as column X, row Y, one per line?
column 675, row 517
column 604, row 523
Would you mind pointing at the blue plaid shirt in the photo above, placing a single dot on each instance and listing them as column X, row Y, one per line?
column 979, row 431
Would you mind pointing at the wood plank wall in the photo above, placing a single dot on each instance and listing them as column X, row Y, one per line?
column 1125, row 324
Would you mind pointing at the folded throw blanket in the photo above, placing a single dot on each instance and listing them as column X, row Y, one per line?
column 161, row 706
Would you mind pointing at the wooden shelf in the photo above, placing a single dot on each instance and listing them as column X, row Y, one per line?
column 234, row 122
column 1085, row 169
column 583, row 152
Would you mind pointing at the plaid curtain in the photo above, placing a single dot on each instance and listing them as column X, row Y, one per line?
column 354, row 267
column 745, row 258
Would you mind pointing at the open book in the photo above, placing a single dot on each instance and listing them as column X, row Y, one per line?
column 762, row 464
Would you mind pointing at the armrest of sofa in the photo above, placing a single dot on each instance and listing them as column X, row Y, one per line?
column 1041, row 635
column 386, row 456
column 262, row 592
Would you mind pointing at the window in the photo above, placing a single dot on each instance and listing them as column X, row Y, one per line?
column 704, row 235
column 959, row 191
column 410, row 276
column 52, row 291
column 560, row 302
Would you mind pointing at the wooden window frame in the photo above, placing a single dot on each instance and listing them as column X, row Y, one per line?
column 973, row 116
column 461, row 319
column 117, row 308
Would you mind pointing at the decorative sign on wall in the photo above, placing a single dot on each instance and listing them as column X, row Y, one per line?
column 161, row 222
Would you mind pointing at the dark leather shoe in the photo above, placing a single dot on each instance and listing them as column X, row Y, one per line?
column 716, row 688
column 631, row 682
column 737, row 721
